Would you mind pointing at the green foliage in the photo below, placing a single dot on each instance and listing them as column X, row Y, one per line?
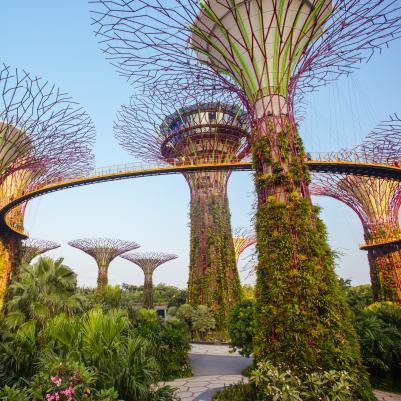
column 213, row 277
column 302, row 313
column 184, row 313
column 112, row 355
column 242, row 326
column 202, row 321
column 358, row 297
column 236, row 392
column 169, row 345
column 42, row 290
column 281, row 383
column 379, row 329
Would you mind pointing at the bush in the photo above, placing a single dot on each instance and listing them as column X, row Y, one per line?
column 202, row 321
column 280, row 383
column 379, row 329
column 241, row 327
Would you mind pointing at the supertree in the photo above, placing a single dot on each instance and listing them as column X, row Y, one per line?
column 104, row 251
column 148, row 262
column 198, row 132
column 376, row 201
column 43, row 136
column 33, row 247
column 243, row 239
column 267, row 53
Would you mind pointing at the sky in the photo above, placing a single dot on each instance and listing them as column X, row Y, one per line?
column 55, row 40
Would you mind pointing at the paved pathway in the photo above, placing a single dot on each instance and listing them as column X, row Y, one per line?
column 214, row 367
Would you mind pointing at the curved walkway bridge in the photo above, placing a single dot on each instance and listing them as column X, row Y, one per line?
column 334, row 163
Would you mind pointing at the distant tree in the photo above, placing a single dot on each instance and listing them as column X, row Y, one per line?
column 358, row 297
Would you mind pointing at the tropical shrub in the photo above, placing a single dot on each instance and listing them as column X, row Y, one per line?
column 379, row 329
column 169, row 343
column 242, row 326
column 184, row 313
column 281, row 383
column 202, row 321
column 41, row 291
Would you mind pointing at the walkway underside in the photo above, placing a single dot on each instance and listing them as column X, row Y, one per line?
column 132, row 171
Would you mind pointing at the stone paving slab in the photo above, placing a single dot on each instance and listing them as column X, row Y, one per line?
column 385, row 396
column 190, row 388
column 208, row 349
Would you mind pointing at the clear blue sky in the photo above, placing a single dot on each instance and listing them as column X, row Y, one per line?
column 54, row 39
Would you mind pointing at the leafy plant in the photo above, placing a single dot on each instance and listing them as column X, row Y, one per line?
column 202, row 320
column 242, row 326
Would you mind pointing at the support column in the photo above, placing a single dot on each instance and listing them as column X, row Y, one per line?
column 10, row 252
column 303, row 317
column 102, row 277
column 213, row 276
column 148, row 291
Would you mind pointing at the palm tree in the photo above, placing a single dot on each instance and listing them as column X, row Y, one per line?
column 42, row 290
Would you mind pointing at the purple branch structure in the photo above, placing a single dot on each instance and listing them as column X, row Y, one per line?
column 376, row 201
column 197, row 132
column 148, row 262
column 104, row 251
column 33, row 247
column 44, row 136
column 268, row 53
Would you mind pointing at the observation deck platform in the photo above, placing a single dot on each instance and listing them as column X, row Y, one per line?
column 320, row 163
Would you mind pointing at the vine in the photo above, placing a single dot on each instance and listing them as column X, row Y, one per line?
column 302, row 314
column 214, row 279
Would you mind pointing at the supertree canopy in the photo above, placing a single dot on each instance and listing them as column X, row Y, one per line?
column 148, row 262
column 267, row 52
column 243, row 239
column 33, row 247
column 198, row 133
column 376, row 201
column 104, row 251
column 43, row 136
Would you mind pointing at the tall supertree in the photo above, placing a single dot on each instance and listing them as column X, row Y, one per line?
column 104, row 251
column 148, row 262
column 376, row 201
column 267, row 53
column 243, row 239
column 33, row 247
column 199, row 132
column 43, row 136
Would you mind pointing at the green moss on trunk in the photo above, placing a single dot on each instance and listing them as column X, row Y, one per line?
column 213, row 276
column 10, row 255
column 385, row 274
column 303, row 317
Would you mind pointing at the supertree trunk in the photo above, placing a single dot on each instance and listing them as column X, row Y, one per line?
column 385, row 274
column 302, row 314
column 213, row 274
column 10, row 251
column 102, row 277
column 148, row 291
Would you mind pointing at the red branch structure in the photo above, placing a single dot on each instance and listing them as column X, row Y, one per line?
column 200, row 132
column 104, row 251
column 33, row 247
column 148, row 262
column 243, row 239
column 376, row 201
column 44, row 135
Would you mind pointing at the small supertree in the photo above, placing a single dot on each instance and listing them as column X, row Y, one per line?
column 148, row 262
column 376, row 201
column 201, row 132
column 43, row 136
column 268, row 53
column 104, row 251
column 243, row 239
column 33, row 247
